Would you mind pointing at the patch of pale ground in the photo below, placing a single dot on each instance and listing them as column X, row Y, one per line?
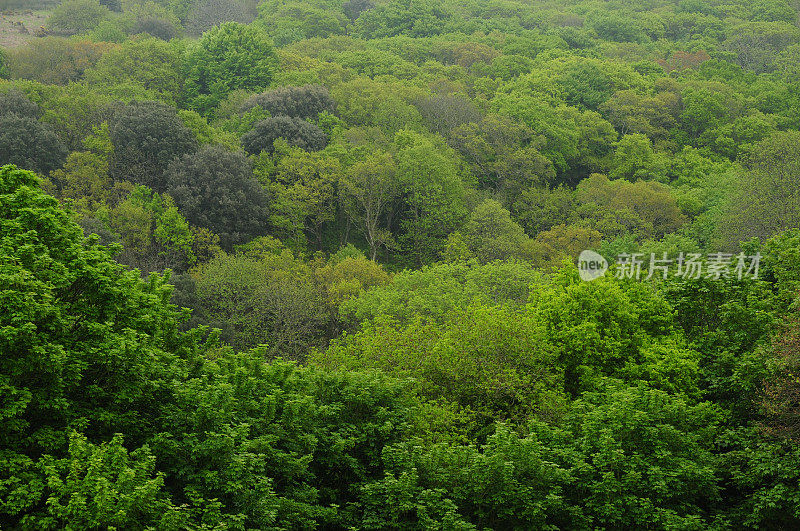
column 19, row 27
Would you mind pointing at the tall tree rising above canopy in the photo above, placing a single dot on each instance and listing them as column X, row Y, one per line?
column 228, row 57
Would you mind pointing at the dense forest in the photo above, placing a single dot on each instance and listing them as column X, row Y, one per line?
column 313, row 264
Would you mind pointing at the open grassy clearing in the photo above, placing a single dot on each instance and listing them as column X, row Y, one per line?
column 19, row 27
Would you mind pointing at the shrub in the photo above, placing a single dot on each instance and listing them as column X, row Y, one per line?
column 76, row 16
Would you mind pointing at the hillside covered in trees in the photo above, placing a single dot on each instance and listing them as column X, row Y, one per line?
column 314, row 264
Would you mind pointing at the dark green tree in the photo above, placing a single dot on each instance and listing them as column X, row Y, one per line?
column 28, row 143
column 296, row 131
column 146, row 137
column 154, row 26
column 205, row 14
column 353, row 8
column 15, row 102
column 215, row 188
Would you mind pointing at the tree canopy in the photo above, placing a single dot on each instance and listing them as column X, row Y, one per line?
column 399, row 264
column 215, row 189
column 228, row 57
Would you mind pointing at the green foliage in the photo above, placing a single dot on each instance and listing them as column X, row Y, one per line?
column 626, row 458
column 215, row 188
column 147, row 136
column 155, row 27
column 153, row 65
column 490, row 234
column 614, row 27
column 703, row 109
column 349, row 274
column 85, row 181
column 261, row 445
column 368, row 188
column 406, row 17
column 72, row 111
column 84, row 333
column 270, row 300
column 99, row 486
column 443, row 113
column 110, row 30
column 540, row 209
column 146, row 17
column 96, row 348
column 505, row 483
column 353, row 8
column 501, row 157
column 365, row 102
column 482, row 144
column 768, row 469
column 435, row 195
column 754, row 44
column 585, row 85
column 29, row 143
column 208, row 134
column 491, row 361
column 763, row 202
column 781, row 391
column 15, row 102
column 205, row 14
column 54, row 60
column 644, row 208
column 230, row 56
column 306, row 102
column 302, row 187
column 296, row 20
column 3, row 65
column 649, row 455
column 76, row 16
column 154, row 234
column 780, row 266
column 726, row 321
column 653, row 116
column 600, row 326
column 574, row 139
column 295, row 131
column 435, row 291
column 563, row 242
column 635, row 159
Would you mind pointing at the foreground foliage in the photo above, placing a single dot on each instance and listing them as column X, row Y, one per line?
column 308, row 264
column 575, row 405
